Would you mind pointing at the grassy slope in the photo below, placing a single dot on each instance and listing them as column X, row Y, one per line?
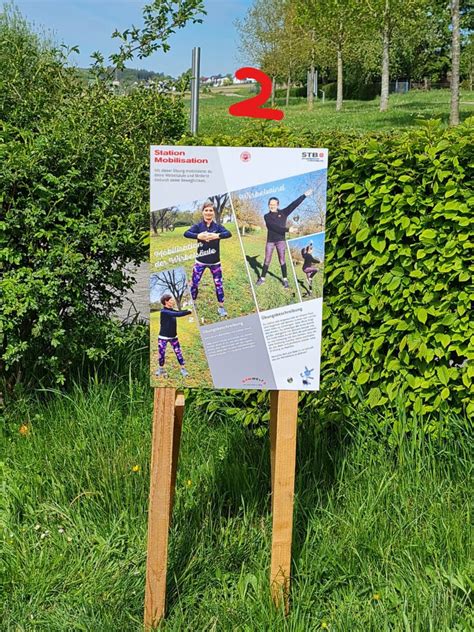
column 381, row 534
column 238, row 296
column 316, row 289
column 361, row 116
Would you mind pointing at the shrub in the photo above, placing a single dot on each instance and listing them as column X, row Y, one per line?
column 299, row 91
column 74, row 192
column 398, row 290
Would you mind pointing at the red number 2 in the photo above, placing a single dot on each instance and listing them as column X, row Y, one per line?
column 252, row 107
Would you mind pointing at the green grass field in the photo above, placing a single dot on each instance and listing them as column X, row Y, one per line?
column 406, row 110
column 238, row 295
column 193, row 354
column 272, row 293
column 381, row 528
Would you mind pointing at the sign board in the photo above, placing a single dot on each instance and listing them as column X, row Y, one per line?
column 237, row 263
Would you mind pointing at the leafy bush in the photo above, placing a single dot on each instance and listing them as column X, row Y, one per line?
column 74, row 192
column 398, row 287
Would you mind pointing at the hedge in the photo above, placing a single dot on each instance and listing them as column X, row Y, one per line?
column 398, row 284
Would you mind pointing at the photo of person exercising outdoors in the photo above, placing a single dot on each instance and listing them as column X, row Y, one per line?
column 208, row 234
column 276, row 224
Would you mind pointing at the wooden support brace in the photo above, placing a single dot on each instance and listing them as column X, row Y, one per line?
column 168, row 409
column 283, row 426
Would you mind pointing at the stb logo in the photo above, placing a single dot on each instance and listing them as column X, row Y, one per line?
column 245, row 156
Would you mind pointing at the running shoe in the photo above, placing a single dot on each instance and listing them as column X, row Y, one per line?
column 184, row 373
column 161, row 372
column 221, row 311
column 286, row 285
column 260, row 281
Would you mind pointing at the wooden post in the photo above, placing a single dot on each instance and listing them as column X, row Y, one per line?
column 167, row 420
column 283, row 425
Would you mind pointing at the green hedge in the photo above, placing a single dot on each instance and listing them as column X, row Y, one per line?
column 398, row 285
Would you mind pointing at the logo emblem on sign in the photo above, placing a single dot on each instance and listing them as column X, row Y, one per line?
column 245, row 156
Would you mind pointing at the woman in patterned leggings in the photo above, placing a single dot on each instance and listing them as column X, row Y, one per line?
column 168, row 333
column 208, row 234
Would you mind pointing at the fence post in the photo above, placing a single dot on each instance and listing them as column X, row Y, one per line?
column 195, row 81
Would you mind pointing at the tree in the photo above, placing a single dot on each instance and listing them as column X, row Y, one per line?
column 172, row 281
column 455, row 62
column 337, row 25
column 262, row 37
column 389, row 18
column 246, row 211
column 161, row 18
column 164, row 218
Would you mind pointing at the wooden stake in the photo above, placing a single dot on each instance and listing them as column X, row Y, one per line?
column 283, row 425
column 167, row 419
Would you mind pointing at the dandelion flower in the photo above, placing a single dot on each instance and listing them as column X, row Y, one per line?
column 136, row 468
column 189, row 482
column 376, row 597
column 324, row 625
column 24, row 430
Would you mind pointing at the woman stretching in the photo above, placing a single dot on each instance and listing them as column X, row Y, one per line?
column 308, row 262
column 208, row 234
column 275, row 221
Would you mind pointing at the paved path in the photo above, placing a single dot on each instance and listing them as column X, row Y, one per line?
column 136, row 303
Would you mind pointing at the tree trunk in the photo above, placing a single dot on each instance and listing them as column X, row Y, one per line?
column 273, row 90
column 340, row 86
column 310, row 94
column 385, row 62
column 288, row 88
column 455, row 55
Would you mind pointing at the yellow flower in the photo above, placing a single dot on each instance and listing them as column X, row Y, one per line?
column 24, row 430
column 376, row 597
column 324, row 625
column 136, row 468
column 189, row 482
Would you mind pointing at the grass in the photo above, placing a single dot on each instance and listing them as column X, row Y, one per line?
column 406, row 110
column 271, row 294
column 381, row 531
column 193, row 354
column 238, row 296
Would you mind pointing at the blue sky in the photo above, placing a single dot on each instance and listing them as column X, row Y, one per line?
column 318, row 244
column 90, row 23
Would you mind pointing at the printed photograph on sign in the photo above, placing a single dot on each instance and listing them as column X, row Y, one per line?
column 307, row 256
column 268, row 216
column 177, row 352
column 236, row 280
column 202, row 237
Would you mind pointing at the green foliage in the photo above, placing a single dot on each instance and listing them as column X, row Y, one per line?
column 398, row 271
column 74, row 195
column 294, row 92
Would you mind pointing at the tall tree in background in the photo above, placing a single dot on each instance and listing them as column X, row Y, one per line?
column 389, row 18
column 455, row 62
column 337, row 24
column 262, row 37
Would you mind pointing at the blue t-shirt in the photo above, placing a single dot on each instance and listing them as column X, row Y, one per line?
column 208, row 252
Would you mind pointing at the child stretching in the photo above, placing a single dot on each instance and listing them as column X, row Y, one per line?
column 168, row 333
column 308, row 262
column 208, row 234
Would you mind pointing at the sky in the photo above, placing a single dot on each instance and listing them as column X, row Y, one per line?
column 89, row 24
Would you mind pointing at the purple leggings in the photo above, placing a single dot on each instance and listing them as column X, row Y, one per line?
column 310, row 272
column 216, row 271
column 270, row 247
column 174, row 342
